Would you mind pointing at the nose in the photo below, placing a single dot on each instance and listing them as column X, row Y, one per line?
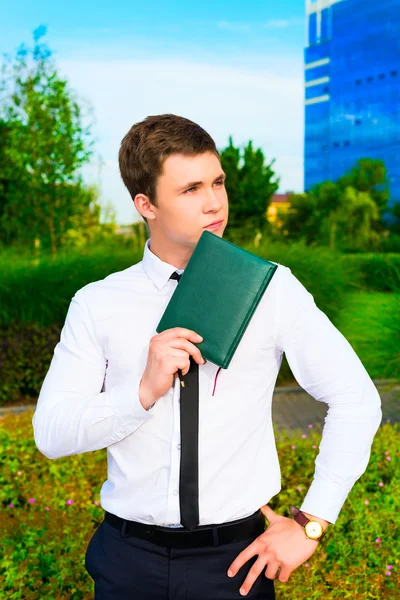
column 214, row 201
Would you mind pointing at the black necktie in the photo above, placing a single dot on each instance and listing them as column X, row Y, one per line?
column 189, row 471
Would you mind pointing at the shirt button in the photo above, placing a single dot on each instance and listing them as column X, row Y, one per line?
column 179, row 446
column 176, row 492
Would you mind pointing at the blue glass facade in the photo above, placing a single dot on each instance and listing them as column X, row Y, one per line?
column 352, row 88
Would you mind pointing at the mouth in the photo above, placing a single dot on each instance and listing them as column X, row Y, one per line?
column 215, row 224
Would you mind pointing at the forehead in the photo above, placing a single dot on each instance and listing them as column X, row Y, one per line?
column 180, row 166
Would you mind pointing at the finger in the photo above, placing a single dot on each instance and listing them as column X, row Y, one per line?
column 252, row 575
column 181, row 332
column 242, row 558
column 190, row 348
column 284, row 574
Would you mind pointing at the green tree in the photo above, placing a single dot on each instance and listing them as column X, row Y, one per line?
column 330, row 215
column 369, row 175
column 46, row 145
column 250, row 184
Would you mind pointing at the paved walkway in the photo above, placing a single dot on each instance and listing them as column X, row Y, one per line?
column 293, row 408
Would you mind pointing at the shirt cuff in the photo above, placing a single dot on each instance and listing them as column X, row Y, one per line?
column 126, row 405
column 324, row 499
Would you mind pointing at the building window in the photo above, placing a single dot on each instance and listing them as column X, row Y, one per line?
column 358, row 81
column 370, row 78
column 347, row 143
column 382, row 76
column 393, row 73
column 326, row 89
column 358, row 121
column 336, row 144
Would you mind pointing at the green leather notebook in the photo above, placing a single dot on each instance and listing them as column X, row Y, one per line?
column 217, row 295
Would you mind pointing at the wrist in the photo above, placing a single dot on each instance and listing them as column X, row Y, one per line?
column 319, row 519
column 146, row 399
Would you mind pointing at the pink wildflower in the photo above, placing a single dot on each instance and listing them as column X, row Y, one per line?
column 293, row 447
column 388, row 573
column 388, row 458
column 307, row 565
column 32, row 500
column 304, row 435
column 380, row 484
column 378, row 540
column 310, row 425
column 314, row 446
column 366, row 501
column 10, row 505
column 69, row 502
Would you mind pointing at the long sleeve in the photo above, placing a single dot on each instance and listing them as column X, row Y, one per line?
column 73, row 415
column 326, row 366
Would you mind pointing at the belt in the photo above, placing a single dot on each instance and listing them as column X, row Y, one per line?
column 203, row 535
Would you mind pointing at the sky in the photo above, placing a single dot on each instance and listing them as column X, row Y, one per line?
column 235, row 68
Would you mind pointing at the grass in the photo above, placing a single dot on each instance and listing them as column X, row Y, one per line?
column 371, row 323
column 50, row 510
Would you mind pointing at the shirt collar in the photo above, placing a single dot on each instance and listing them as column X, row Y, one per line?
column 158, row 270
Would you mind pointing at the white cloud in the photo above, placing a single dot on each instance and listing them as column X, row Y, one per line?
column 264, row 105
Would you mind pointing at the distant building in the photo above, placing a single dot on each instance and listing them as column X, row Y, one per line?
column 278, row 202
column 352, row 88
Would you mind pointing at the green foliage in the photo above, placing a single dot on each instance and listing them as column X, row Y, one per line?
column 43, row 550
column 25, row 354
column 374, row 272
column 369, row 176
column 45, row 142
column 40, row 290
column 250, row 184
column 371, row 323
column 346, row 215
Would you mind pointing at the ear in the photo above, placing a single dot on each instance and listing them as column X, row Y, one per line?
column 144, row 206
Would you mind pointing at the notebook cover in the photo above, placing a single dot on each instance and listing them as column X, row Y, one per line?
column 217, row 295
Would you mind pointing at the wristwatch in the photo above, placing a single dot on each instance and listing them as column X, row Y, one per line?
column 313, row 529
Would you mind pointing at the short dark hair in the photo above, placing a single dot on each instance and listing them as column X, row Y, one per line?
column 147, row 145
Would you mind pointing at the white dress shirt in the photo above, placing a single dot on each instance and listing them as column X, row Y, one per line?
column 90, row 400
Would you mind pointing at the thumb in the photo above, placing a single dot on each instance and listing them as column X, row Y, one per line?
column 269, row 513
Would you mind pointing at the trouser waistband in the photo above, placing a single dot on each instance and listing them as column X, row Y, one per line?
column 203, row 535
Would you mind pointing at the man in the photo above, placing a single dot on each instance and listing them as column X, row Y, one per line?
column 112, row 384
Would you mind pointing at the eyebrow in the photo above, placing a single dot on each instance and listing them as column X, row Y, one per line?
column 194, row 183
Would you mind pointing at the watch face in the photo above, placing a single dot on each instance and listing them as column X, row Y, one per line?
column 314, row 529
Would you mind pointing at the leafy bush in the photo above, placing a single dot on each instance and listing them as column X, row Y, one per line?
column 25, row 354
column 40, row 290
column 375, row 272
column 50, row 509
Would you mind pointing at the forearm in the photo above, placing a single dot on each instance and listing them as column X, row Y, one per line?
column 68, row 422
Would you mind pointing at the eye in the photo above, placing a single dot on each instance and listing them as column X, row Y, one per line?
column 192, row 188
column 220, row 182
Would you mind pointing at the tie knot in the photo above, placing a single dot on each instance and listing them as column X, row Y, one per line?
column 176, row 275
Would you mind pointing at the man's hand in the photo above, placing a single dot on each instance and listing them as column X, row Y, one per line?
column 283, row 545
column 169, row 351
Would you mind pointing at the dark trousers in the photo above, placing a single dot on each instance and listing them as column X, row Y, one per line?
column 131, row 568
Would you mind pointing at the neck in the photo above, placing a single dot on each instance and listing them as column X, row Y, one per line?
column 178, row 256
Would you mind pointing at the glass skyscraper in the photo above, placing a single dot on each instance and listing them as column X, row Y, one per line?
column 352, row 88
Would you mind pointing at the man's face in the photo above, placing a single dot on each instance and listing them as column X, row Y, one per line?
column 190, row 194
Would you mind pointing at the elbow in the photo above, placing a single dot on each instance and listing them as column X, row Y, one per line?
column 42, row 438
